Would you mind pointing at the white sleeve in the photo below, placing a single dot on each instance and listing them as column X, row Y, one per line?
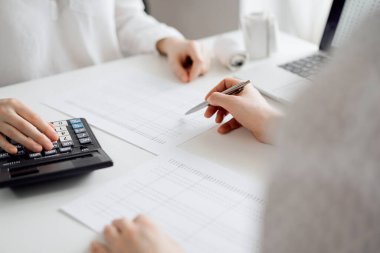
column 138, row 32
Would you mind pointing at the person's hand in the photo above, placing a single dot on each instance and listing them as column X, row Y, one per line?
column 22, row 125
column 137, row 236
column 187, row 58
column 249, row 109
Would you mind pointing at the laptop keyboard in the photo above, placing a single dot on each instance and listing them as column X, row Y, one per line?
column 306, row 67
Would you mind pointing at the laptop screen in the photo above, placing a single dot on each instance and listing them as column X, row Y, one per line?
column 345, row 16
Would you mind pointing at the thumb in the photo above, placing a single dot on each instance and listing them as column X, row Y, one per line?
column 225, row 101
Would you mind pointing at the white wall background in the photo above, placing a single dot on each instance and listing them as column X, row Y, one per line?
column 200, row 18
column 304, row 18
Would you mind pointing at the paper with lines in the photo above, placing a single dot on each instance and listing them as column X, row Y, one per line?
column 140, row 108
column 204, row 207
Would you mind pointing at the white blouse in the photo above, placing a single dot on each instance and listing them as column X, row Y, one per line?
column 45, row 37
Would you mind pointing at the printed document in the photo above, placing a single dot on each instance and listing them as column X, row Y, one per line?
column 203, row 206
column 139, row 108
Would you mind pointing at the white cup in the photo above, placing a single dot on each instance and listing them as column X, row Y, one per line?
column 260, row 34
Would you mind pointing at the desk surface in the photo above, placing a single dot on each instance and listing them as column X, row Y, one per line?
column 29, row 217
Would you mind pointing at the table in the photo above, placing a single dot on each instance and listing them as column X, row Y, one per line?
column 30, row 220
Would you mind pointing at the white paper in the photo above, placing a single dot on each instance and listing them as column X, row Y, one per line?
column 140, row 108
column 204, row 207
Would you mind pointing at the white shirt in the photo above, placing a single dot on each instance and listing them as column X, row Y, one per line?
column 44, row 37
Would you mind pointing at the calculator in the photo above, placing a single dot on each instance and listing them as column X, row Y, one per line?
column 77, row 151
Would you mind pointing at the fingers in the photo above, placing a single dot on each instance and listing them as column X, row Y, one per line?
column 220, row 115
column 227, row 102
column 111, row 234
column 19, row 137
column 229, row 126
column 199, row 63
column 123, row 225
column 210, row 111
column 97, row 247
column 221, row 103
column 4, row 144
column 37, row 140
column 180, row 71
column 141, row 219
column 36, row 121
column 223, row 85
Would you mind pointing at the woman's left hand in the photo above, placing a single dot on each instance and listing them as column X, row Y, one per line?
column 187, row 58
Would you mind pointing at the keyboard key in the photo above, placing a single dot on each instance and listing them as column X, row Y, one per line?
column 60, row 128
column 50, row 152
column 55, row 144
column 65, row 150
column 82, row 135
column 63, row 133
column 35, row 155
column 79, row 130
column 67, row 143
column 77, row 125
column 85, row 140
column 60, row 123
column 20, row 153
column 75, row 121
column 4, row 155
column 65, row 138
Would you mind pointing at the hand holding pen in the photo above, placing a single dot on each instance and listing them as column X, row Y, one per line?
column 248, row 108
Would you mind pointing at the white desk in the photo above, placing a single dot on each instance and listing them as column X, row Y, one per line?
column 29, row 217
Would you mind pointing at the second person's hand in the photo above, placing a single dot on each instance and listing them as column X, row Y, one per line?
column 187, row 58
column 249, row 109
column 22, row 125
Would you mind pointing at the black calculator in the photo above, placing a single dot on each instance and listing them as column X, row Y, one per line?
column 76, row 151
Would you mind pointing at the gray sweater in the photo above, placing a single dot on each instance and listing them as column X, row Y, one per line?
column 324, row 196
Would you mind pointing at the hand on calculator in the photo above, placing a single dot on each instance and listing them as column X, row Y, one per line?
column 20, row 124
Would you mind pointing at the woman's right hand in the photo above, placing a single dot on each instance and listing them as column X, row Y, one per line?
column 249, row 109
column 22, row 125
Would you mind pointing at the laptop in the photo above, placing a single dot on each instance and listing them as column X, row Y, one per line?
column 285, row 81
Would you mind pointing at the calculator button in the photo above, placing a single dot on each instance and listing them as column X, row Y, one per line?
column 79, row 130
column 55, row 144
column 20, row 153
column 85, row 140
column 35, row 155
column 50, row 152
column 65, row 138
column 67, row 143
column 4, row 155
column 65, row 150
column 77, row 125
column 82, row 135
column 63, row 133
column 60, row 128
column 60, row 123
column 75, row 121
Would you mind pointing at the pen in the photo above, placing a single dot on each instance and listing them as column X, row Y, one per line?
column 236, row 89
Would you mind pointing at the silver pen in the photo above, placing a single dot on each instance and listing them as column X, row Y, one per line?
column 236, row 89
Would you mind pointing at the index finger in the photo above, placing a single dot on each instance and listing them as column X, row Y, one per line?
column 223, row 85
column 36, row 121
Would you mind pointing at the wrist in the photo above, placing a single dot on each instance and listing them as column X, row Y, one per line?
column 164, row 45
column 264, row 128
